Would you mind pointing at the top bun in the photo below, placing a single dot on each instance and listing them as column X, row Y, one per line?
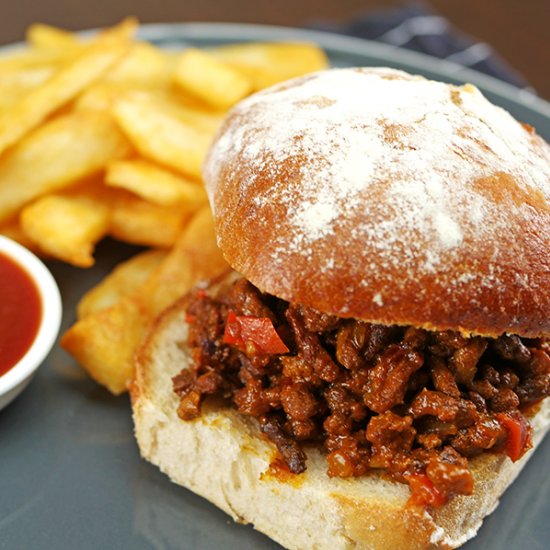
column 374, row 194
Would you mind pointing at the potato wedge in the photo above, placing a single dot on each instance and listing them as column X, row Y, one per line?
column 125, row 279
column 34, row 107
column 66, row 227
column 266, row 64
column 215, row 82
column 160, row 132
column 57, row 154
column 155, row 184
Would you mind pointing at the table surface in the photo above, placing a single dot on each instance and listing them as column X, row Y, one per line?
column 518, row 30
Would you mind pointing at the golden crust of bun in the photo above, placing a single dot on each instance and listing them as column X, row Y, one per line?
column 374, row 194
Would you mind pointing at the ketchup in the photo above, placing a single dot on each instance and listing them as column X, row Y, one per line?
column 20, row 312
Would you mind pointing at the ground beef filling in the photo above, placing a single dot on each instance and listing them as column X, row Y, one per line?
column 413, row 403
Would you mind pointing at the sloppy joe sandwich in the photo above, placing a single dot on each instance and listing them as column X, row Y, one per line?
column 372, row 371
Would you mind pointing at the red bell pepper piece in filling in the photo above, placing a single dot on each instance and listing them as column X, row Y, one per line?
column 245, row 331
column 519, row 434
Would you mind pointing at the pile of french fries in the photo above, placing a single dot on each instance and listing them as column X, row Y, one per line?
column 106, row 137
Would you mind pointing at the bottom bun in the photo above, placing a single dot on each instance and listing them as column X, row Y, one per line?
column 223, row 457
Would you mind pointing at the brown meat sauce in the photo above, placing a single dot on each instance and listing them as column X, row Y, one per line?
column 414, row 403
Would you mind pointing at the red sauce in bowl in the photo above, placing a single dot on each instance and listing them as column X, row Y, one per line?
column 20, row 312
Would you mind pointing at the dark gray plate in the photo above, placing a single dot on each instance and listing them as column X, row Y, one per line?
column 70, row 471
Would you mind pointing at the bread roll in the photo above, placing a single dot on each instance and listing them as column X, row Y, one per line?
column 374, row 194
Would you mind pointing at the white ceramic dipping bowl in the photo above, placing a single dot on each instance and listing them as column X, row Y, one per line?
column 13, row 382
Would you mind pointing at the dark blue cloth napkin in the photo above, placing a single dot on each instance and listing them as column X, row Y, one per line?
column 417, row 28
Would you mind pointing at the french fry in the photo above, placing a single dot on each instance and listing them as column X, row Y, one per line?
column 155, row 184
column 145, row 65
column 172, row 103
column 34, row 107
column 145, row 68
column 195, row 256
column 136, row 221
column 101, row 96
column 104, row 342
column 66, row 227
column 15, row 83
column 24, row 59
column 266, row 64
column 47, row 37
column 57, row 154
column 12, row 229
column 160, row 132
column 90, row 340
column 210, row 79
column 207, row 121
column 125, row 279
